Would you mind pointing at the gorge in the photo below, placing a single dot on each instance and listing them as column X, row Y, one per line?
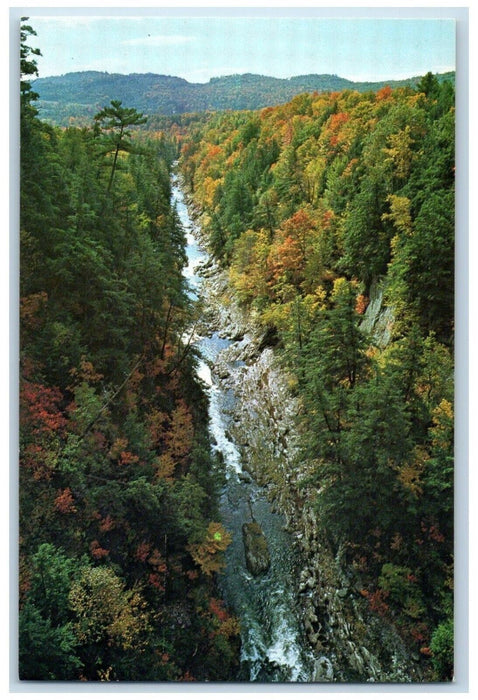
column 302, row 619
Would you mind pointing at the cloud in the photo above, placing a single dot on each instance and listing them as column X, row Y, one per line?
column 159, row 40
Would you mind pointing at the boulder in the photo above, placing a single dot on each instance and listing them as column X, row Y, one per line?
column 323, row 670
column 255, row 548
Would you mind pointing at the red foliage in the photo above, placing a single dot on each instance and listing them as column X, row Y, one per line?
column 39, row 411
column 217, row 608
column 157, row 577
column 99, row 440
column 432, row 531
column 435, row 534
column 98, row 552
column 142, row 551
column 155, row 581
column 107, row 524
column 35, row 459
column 376, row 600
column 64, row 502
column 419, row 633
column 187, row 676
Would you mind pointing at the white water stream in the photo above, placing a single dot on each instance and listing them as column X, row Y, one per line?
column 272, row 646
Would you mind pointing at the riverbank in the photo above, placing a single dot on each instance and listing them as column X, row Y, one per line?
column 346, row 640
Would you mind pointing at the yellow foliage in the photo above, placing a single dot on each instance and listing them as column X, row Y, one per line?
column 208, row 554
column 442, row 430
column 105, row 611
column 399, row 213
column 165, row 466
column 410, row 474
column 399, row 152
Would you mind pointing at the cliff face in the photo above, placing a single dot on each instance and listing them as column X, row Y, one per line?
column 348, row 641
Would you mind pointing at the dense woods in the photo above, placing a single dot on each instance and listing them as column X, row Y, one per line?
column 318, row 208
column 119, row 531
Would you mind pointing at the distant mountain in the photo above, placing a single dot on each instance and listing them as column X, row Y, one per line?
column 81, row 95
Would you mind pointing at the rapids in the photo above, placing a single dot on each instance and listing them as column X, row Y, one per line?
column 273, row 645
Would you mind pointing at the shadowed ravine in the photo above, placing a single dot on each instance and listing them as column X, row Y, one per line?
column 273, row 645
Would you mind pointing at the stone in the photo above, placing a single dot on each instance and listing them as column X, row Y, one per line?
column 323, row 670
column 255, row 548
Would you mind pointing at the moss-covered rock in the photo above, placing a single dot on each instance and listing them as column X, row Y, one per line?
column 256, row 549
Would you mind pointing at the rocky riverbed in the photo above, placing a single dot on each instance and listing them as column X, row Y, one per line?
column 346, row 642
column 349, row 643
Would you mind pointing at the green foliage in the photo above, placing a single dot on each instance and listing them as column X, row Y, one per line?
column 47, row 652
column 115, row 121
column 116, row 476
column 76, row 95
column 356, row 195
column 442, row 645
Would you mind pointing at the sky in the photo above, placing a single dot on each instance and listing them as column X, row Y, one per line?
column 198, row 48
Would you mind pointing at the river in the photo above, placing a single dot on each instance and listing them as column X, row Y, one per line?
column 273, row 647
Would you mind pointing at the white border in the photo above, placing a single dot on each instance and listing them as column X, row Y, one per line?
column 9, row 257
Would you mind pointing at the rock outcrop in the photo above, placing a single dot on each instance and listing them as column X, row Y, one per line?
column 348, row 641
column 255, row 549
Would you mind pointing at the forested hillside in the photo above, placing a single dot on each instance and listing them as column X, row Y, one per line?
column 332, row 213
column 119, row 530
column 80, row 95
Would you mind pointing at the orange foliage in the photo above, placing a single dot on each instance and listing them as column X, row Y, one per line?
column 127, row 458
column 29, row 307
column 98, row 552
column 361, row 303
column 336, row 120
column 384, row 93
column 288, row 254
column 38, row 461
column 39, row 410
column 376, row 600
column 187, row 676
column 107, row 524
column 165, row 466
column 179, row 437
column 64, row 502
column 156, row 424
column 86, row 372
column 208, row 553
column 117, row 448
column 142, row 551
column 213, row 151
column 217, row 608
column 327, row 218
